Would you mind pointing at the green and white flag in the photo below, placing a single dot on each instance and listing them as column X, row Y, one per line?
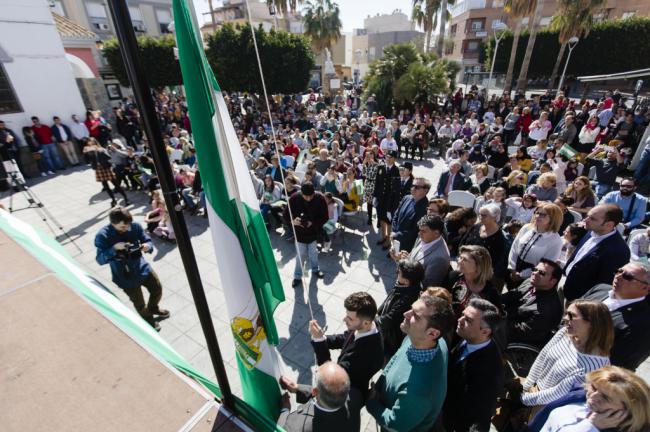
column 247, row 267
column 567, row 151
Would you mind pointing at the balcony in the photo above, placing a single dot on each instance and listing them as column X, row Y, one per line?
column 465, row 5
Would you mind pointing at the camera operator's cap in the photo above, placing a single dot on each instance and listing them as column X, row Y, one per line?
column 307, row 189
column 392, row 153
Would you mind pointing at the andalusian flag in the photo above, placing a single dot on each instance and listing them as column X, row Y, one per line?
column 248, row 270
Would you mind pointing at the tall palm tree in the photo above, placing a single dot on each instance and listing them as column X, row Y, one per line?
column 444, row 16
column 574, row 18
column 425, row 14
column 322, row 23
column 518, row 10
column 284, row 7
column 522, row 81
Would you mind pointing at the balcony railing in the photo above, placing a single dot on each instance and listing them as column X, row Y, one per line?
column 465, row 5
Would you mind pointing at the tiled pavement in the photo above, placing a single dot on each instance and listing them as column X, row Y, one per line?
column 356, row 264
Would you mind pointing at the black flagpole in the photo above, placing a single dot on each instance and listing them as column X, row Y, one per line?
column 137, row 78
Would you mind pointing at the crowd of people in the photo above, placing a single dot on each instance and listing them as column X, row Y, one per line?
column 532, row 237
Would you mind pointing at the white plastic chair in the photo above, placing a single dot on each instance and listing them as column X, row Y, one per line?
column 176, row 155
column 577, row 217
column 460, row 198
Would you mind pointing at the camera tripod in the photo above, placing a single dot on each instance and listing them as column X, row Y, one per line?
column 17, row 184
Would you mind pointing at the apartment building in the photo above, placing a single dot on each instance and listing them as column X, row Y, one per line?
column 472, row 23
column 234, row 11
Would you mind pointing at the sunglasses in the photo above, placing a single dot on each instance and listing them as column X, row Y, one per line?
column 628, row 276
column 541, row 272
column 417, row 187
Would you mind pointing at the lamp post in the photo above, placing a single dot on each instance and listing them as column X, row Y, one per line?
column 499, row 30
column 572, row 44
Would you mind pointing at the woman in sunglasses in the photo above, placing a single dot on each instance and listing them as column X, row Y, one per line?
column 615, row 399
column 581, row 346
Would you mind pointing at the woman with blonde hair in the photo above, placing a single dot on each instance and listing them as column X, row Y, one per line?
column 472, row 280
column 583, row 195
column 544, row 189
column 615, row 399
column 581, row 346
column 536, row 240
column 480, row 178
column 515, row 183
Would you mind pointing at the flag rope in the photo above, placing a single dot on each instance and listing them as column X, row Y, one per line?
column 277, row 153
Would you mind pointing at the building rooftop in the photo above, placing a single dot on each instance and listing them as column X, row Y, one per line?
column 70, row 30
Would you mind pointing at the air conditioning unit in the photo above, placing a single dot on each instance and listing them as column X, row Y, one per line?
column 140, row 28
column 102, row 26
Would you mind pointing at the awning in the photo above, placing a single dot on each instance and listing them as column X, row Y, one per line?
column 616, row 76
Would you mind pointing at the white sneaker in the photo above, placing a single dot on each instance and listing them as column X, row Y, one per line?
column 43, row 174
column 50, row 173
column 327, row 247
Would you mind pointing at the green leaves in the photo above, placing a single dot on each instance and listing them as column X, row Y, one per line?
column 286, row 59
column 322, row 23
column 157, row 55
column 403, row 76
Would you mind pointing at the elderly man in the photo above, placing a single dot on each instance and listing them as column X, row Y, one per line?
column 361, row 346
column 430, row 250
column 534, row 309
column 626, row 299
column 599, row 254
column 475, row 376
column 411, row 390
column 409, row 212
column 330, row 406
column 452, row 180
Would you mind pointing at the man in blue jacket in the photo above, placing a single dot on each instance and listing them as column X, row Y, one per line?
column 121, row 245
column 409, row 212
column 63, row 137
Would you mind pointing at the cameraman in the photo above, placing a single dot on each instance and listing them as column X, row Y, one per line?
column 121, row 244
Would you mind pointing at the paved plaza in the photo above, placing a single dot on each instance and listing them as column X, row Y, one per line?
column 355, row 264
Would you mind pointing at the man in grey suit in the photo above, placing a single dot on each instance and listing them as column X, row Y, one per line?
column 430, row 250
column 330, row 406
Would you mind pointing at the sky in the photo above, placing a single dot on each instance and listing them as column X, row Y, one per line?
column 353, row 12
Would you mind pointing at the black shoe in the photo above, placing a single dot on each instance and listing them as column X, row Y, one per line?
column 161, row 313
column 318, row 274
column 113, row 203
column 295, row 283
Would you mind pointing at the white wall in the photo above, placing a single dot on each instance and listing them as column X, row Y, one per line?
column 40, row 74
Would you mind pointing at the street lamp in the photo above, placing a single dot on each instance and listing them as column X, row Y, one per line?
column 499, row 30
column 572, row 44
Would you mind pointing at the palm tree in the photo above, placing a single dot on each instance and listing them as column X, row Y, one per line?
column 322, row 23
column 425, row 14
column 284, row 7
column 574, row 18
column 522, row 81
column 444, row 16
column 517, row 9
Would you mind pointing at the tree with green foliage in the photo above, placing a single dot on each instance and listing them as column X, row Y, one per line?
column 322, row 23
column 575, row 18
column 518, row 10
column 286, row 59
column 157, row 54
column 402, row 68
column 425, row 14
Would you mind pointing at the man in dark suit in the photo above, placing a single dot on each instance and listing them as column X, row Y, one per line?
column 361, row 345
column 627, row 301
column 409, row 212
column 331, row 406
column 452, row 180
column 475, row 375
column 600, row 253
column 534, row 308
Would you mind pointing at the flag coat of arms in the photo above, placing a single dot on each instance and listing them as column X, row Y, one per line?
column 247, row 267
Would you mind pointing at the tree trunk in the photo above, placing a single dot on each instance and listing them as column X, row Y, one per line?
column 507, row 85
column 556, row 68
column 443, row 24
column 427, row 41
column 522, row 81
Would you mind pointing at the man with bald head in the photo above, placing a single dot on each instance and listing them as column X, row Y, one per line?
column 332, row 405
column 626, row 299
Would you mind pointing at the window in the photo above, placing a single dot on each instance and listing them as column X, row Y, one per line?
column 628, row 14
column 96, row 10
column 477, row 25
column 497, row 3
column 164, row 17
column 57, row 7
column 136, row 13
column 545, row 21
column 472, row 46
column 8, row 101
column 454, row 29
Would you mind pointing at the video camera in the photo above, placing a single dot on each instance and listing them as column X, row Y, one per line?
column 131, row 251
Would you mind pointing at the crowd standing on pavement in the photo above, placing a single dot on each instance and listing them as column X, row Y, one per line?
column 520, row 296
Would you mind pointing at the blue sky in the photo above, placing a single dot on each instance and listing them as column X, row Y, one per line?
column 352, row 11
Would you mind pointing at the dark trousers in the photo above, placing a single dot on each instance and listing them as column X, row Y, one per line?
column 152, row 284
